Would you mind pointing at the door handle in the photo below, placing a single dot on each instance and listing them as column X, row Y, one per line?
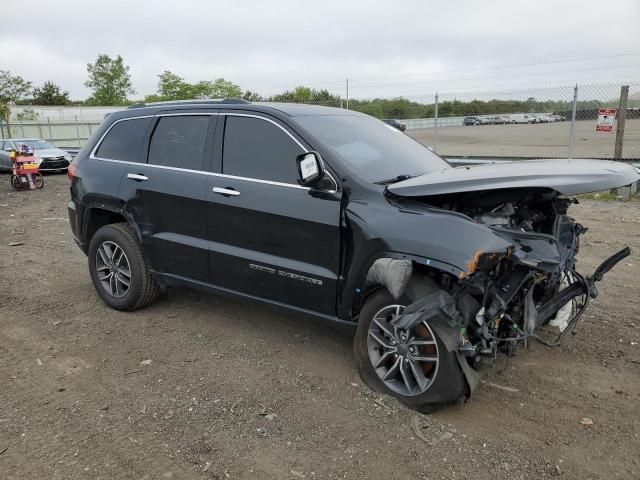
column 226, row 191
column 137, row 177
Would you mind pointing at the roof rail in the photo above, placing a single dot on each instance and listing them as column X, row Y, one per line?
column 197, row 101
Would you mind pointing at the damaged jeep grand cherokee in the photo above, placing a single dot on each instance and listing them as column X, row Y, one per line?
column 334, row 214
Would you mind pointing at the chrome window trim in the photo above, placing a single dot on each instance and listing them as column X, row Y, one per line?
column 92, row 155
column 267, row 182
column 304, row 150
column 234, row 114
column 212, row 174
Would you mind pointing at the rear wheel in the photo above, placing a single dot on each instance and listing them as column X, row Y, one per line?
column 412, row 365
column 119, row 270
column 15, row 182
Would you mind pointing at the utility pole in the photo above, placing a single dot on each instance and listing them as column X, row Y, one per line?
column 347, row 94
column 435, row 125
column 572, row 132
column 622, row 118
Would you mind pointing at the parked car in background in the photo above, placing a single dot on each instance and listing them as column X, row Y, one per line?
column 499, row 120
column 542, row 118
column 523, row 118
column 471, row 121
column 395, row 124
column 557, row 118
column 49, row 157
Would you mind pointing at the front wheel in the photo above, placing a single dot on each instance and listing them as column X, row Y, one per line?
column 38, row 181
column 414, row 366
column 119, row 270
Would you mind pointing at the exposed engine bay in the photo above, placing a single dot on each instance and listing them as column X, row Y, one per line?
column 507, row 294
column 521, row 290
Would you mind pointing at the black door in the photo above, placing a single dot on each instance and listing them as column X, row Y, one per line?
column 270, row 237
column 166, row 196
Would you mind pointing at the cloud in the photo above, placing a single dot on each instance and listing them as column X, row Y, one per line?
column 269, row 46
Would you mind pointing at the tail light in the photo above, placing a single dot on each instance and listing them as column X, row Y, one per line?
column 71, row 171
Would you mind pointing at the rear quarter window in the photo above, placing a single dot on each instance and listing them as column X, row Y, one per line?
column 124, row 141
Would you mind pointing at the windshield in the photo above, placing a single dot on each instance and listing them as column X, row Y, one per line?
column 35, row 144
column 374, row 150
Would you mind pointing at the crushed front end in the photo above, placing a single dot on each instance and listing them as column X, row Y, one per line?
column 534, row 282
column 502, row 297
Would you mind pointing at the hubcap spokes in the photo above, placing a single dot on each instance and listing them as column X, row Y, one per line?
column 113, row 268
column 405, row 360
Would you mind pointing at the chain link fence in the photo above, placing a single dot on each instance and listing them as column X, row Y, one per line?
column 532, row 122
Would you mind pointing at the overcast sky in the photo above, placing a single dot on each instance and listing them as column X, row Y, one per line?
column 384, row 47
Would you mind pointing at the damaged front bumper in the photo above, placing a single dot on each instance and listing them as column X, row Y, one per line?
column 476, row 339
column 583, row 287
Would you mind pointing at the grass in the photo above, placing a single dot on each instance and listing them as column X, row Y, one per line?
column 607, row 196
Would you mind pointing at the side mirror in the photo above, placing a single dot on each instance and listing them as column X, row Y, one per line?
column 310, row 167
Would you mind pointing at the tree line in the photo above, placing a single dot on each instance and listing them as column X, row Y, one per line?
column 110, row 83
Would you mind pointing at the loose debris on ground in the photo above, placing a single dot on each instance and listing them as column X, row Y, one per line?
column 201, row 387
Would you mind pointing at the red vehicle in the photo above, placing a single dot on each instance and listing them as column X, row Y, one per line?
column 25, row 173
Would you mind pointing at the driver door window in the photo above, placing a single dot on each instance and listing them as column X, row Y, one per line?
column 256, row 148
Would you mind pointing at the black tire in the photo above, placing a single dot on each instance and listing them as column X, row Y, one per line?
column 448, row 386
column 38, row 181
column 142, row 289
column 15, row 182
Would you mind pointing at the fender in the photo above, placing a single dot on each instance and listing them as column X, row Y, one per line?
column 354, row 292
column 402, row 229
column 105, row 207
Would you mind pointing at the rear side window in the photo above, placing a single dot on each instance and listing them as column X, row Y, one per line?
column 179, row 142
column 124, row 140
column 255, row 148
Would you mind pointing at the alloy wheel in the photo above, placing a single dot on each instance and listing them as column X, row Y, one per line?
column 113, row 269
column 405, row 360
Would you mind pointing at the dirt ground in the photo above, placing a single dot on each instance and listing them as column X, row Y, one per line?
column 198, row 386
column 543, row 140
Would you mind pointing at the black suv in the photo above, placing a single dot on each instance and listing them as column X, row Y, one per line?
column 331, row 213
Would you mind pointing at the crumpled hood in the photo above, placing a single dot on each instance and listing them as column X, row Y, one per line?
column 568, row 177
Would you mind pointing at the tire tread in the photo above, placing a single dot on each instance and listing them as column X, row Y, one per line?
column 450, row 386
column 149, row 289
